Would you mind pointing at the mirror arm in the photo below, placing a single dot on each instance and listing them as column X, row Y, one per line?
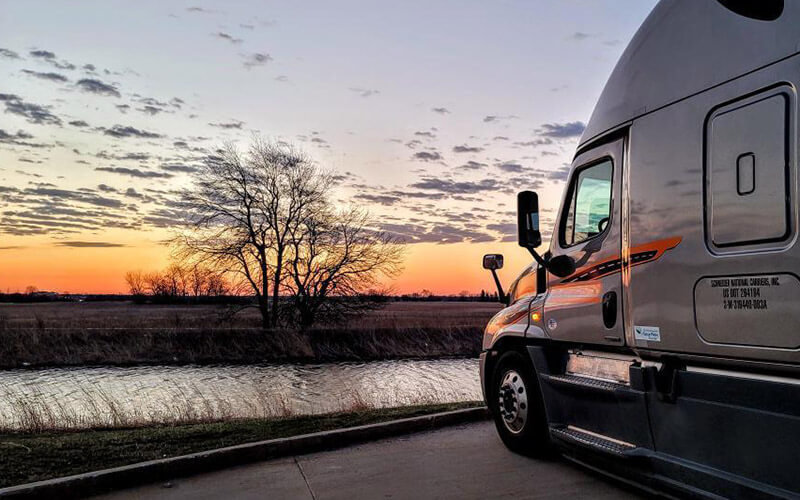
column 501, row 295
column 538, row 258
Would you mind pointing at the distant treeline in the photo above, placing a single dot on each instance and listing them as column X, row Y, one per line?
column 24, row 298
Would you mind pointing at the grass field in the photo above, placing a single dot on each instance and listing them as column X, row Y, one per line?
column 122, row 333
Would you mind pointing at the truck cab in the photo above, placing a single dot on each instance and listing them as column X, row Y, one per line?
column 658, row 338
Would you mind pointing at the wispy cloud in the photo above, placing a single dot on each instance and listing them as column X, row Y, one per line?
column 135, row 172
column 97, row 87
column 467, row 149
column 8, row 54
column 257, row 59
column 33, row 113
column 120, row 131
column 88, row 244
column 53, row 77
column 427, row 156
column 562, row 130
column 364, row 92
column 236, row 124
column 228, row 37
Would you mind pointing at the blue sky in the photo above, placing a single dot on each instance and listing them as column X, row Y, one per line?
column 433, row 114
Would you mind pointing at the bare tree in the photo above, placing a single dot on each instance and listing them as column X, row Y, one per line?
column 244, row 209
column 136, row 283
column 336, row 258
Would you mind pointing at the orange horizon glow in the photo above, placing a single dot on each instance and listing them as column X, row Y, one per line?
column 443, row 269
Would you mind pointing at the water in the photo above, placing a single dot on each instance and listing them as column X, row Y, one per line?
column 100, row 396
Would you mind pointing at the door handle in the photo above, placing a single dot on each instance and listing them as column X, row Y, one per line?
column 610, row 309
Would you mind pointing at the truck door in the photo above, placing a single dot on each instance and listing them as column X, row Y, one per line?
column 586, row 306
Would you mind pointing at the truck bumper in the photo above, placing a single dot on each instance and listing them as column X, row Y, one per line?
column 482, row 371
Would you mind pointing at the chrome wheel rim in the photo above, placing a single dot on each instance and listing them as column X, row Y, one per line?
column 513, row 401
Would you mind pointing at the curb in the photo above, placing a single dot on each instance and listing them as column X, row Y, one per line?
column 104, row 481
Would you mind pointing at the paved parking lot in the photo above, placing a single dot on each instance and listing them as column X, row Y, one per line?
column 461, row 462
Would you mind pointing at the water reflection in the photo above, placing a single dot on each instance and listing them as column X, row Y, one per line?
column 115, row 396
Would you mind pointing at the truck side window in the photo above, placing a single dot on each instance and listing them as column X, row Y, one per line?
column 589, row 204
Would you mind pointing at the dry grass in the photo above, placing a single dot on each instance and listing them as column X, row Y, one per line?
column 65, row 334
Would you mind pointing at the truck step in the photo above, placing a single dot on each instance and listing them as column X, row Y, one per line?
column 587, row 382
column 594, row 441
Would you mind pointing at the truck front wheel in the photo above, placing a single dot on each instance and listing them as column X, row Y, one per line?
column 516, row 405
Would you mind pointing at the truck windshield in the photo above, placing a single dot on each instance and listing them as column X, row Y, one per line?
column 590, row 206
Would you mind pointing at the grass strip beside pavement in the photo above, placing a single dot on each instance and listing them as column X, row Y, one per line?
column 26, row 458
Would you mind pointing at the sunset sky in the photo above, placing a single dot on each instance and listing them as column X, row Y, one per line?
column 432, row 114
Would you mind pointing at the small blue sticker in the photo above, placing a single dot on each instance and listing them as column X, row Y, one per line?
column 648, row 333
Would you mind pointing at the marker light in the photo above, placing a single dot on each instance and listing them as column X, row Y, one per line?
column 535, row 316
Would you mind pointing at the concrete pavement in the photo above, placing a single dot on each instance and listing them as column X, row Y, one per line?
column 463, row 462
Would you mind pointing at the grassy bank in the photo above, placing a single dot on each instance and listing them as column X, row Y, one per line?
column 26, row 457
column 72, row 334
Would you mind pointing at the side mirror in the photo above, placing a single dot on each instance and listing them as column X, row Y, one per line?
column 493, row 261
column 561, row 265
column 528, row 220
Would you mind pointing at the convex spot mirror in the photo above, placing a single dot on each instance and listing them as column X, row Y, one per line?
column 493, row 261
column 561, row 265
column 528, row 220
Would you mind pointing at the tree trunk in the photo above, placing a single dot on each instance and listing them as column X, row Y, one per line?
column 276, row 283
column 263, row 301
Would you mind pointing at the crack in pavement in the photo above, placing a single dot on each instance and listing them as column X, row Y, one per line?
column 302, row 473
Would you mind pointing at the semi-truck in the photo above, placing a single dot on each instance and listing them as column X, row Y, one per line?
column 657, row 339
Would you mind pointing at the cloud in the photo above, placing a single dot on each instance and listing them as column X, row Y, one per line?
column 180, row 168
column 19, row 139
column 119, row 131
column 88, row 244
column 382, row 199
column 282, row 78
column 8, row 54
column 226, row 36
column 42, row 54
column 150, row 110
column 64, row 194
column 467, row 149
column 135, row 172
column 453, row 187
column 429, row 135
column 497, row 118
column 53, row 77
column 126, row 156
column 34, row 113
column 579, row 35
column 257, row 59
column 561, row 174
column 364, row 92
column 435, row 233
column 535, row 142
column 441, row 111
column 427, row 156
column 97, row 87
column 50, row 57
column 78, row 123
column 562, row 130
column 474, row 165
column 511, row 167
column 234, row 124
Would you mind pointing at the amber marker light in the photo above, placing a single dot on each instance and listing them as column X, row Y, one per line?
column 535, row 316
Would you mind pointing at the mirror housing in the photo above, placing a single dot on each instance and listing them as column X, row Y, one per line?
column 493, row 261
column 528, row 220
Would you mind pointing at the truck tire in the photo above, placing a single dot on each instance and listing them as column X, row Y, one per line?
column 517, row 408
